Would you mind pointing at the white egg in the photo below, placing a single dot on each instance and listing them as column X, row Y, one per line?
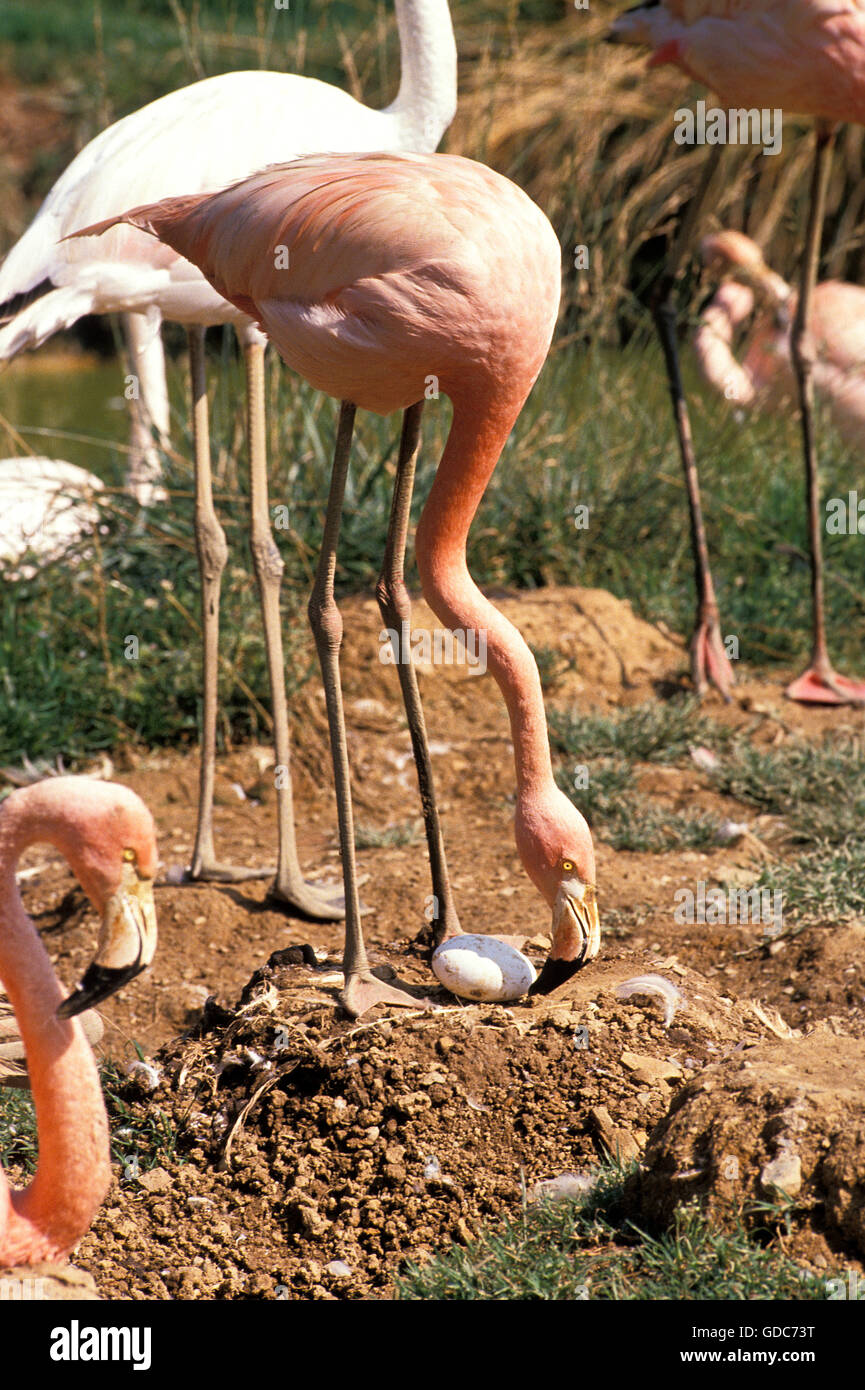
column 480, row 967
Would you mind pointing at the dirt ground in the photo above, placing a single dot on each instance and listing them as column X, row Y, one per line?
column 312, row 1155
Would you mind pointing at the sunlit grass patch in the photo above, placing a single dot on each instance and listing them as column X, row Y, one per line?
column 625, row 818
column 825, row 885
column 140, row 1139
column 17, row 1129
column 589, row 1250
column 819, row 789
column 659, row 731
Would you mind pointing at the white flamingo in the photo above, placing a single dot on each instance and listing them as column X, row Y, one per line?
column 45, row 505
column 196, row 140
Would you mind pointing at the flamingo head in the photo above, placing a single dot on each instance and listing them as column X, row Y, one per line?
column 107, row 835
column 555, row 845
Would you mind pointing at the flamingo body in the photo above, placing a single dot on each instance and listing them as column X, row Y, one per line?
column 198, row 138
column 385, row 275
column 805, row 56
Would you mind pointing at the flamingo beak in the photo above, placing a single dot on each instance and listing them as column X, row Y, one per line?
column 576, row 935
column 127, row 943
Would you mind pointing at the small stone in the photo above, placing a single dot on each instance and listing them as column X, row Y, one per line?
column 338, row 1269
column 602, row 1119
column 155, row 1180
column 650, row 1070
column 783, row 1175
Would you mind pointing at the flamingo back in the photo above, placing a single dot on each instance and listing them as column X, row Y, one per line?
column 380, row 278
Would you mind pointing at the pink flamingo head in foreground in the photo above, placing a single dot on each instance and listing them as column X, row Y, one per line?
column 107, row 835
column 376, row 276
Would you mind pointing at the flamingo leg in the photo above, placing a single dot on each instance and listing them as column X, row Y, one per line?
column 149, row 408
column 290, row 886
column 709, row 661
column 362, row 990
column 820, row 684
column 395, row 606
column 212, row 555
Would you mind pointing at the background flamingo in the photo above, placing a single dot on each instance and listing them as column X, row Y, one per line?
column 765, row 377
column 800, row 56
column 405, row 270
column 198, row 138
column 44, row 508
column 107, row 835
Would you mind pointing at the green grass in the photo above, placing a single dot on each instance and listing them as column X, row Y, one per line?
column 627, row 819
column 606, row 746
column 659, row 731
column 818, row 793
column 595, row 428
column 822, row 886
column 557, row 1251
column 819, row 789
column 17, row 1129
column 404, row 833
column 139, row 1139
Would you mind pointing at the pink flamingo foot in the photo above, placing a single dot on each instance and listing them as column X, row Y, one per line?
column 710, row 664
column 819, row 686
column 363, row 991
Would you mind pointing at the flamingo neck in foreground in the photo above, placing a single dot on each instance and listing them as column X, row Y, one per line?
column 427, row 98
column 474, row 445
column 45, row 1220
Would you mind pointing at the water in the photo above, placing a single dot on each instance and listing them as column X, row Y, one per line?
column 66, row 407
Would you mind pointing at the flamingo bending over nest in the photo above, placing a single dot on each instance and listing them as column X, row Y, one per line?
column 402, row 271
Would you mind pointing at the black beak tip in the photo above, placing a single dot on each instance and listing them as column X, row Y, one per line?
column 98, row 984
column 554, row 973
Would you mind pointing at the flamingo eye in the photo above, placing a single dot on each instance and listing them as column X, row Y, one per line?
column 567, row 866
column 130, row 856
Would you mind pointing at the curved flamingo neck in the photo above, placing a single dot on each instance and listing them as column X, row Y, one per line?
column 474, row 445
column 44, row 1220
column 427, row 99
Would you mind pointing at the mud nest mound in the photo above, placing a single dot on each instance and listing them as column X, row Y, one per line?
column 306, row 1156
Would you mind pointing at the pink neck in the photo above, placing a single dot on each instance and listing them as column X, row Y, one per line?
column 45, row 1220
column 474, row 445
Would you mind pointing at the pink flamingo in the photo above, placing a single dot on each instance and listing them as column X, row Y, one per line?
column 803, row 56
column 107, row 834
column 765, row 376
column 407, row 275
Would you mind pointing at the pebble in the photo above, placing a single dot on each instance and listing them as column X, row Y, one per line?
column 155, row 1180
column 783, row 1175
column 338, row 1269
column 650, row 1070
